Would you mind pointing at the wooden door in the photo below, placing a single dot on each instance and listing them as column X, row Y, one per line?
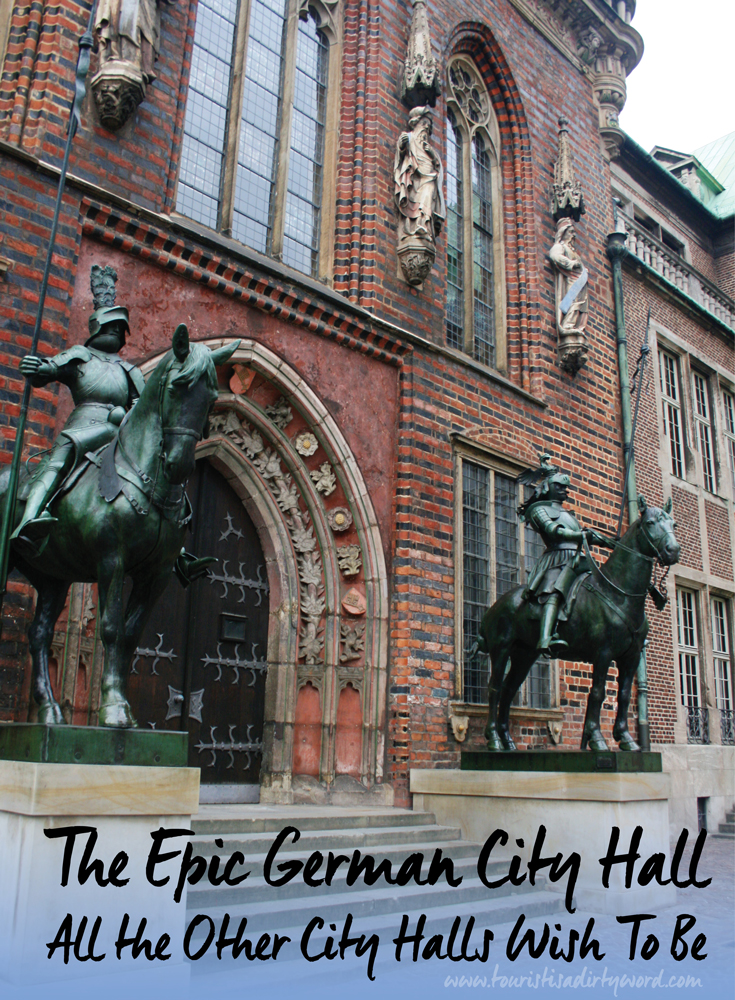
column 205, row 646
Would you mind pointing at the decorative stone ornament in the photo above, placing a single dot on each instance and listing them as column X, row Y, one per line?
column 571, row 298
column 354, row 603
column 324, row 479
column 127, row 33
column 566, row 193
column 339, row 519
column 469, row 94
column 306, row 444
column 349, row 558
column 460, row 725
column 421, row 73
column 352, row 639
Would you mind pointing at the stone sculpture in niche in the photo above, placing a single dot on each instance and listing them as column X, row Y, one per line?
column 418, row 176
column 571, row 298
column 127, row 33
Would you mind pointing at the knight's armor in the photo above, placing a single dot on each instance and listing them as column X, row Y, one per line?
column 552, row 577
column 103, row 387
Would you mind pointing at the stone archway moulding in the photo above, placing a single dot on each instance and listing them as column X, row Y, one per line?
column 307, row 498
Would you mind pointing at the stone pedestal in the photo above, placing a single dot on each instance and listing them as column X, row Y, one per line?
column 578, row 809
column 125, row 804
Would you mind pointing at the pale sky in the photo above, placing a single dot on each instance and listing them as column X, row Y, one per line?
column 682, row 93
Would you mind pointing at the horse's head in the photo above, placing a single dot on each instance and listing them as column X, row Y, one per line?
column 187, row 394
column 655, row 532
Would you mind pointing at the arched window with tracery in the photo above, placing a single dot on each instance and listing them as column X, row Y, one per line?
column 258, row 129
column 475, row 297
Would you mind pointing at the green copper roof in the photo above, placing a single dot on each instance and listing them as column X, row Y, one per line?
column 718, row 158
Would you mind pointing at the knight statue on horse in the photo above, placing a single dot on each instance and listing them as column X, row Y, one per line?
column 598, row 611
column 103, row 387
column 563, row 561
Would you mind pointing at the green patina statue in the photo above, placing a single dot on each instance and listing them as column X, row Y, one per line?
column 563, row 561
column 598, row 611
column 109, row 502
column 103, row 388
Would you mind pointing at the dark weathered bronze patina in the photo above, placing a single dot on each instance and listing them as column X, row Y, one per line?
column 122, row 512
column 599, row 611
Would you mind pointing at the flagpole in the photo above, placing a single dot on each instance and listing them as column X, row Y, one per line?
column 85, row 45
column 645, row 351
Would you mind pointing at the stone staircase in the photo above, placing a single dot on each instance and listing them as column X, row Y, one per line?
column 727, row 829
column 384, row 833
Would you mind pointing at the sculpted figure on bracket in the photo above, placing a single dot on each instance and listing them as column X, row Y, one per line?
column 571, row 298
column 127, row 33
column 419, row 184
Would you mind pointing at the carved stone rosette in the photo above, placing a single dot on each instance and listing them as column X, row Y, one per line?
column 118, row 89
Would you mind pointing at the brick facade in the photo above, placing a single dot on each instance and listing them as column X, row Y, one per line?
column 371, row 347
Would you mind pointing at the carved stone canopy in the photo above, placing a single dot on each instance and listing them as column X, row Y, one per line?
column 566, row 192
column 420, row 84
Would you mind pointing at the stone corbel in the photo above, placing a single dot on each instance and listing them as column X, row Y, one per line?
column 460, row 724
column 118, row 89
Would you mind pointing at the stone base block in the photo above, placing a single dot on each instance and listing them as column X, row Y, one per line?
column 124, row 805
column 578, row 810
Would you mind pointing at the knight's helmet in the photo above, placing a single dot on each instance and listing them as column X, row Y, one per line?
column 102, row 281
column 541, row 479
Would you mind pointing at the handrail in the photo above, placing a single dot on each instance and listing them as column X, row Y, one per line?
column 666, row 262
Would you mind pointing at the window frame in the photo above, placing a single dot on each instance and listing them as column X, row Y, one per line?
column 466, row 451
column 488, row 130
column 728, row 429
column 723, row 680
column 329, row 16
column 689, row 699
column 704, row 430
column 677, row 405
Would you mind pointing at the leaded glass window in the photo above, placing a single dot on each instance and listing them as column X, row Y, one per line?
column 473, row 297
column 703, row 424
column 496, row 557
column 253, row 150
column 688, row 648
column 728, row 401
column 671, row 403
column 721, row 650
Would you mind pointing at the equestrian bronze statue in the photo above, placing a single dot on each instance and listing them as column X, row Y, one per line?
column 109, row 500
column 574, row 608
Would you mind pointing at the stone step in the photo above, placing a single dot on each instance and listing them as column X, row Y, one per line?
column 491, row 914
column 216, row 820
column 728, row 829
column 337, row 840
column 255, row 888
column 275, row 914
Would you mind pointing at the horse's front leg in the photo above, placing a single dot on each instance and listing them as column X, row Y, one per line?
column 51, row 598
column 592, row 734
column 627, row 667
column 498, row 662
column 114, row 708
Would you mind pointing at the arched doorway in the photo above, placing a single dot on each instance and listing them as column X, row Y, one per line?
column 201, row 662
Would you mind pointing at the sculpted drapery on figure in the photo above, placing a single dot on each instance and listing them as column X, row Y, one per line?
column 418, row 176
column 571, row 297
column 127, row 33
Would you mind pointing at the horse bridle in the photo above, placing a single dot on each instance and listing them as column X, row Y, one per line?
column 641, row 555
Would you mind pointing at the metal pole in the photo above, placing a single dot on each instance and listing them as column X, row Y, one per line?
column 85, row 45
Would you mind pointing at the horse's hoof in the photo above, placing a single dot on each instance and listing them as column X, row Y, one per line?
column 595, row 740
column 117, row 716
column 493, row 740
column 626, row 742
column 507, row 740
column 50, row 715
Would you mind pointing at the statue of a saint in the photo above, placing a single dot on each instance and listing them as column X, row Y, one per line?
column 418, row 176
column 553, row 575
column 103, row 387
column 571, row 297
column 129, row 31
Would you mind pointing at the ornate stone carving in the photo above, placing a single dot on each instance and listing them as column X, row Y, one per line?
column 571, row 298
column 298, row 522
column 418, row 176
column 468, row 93
column 566, row 193
column 460, row 725
column 324, row 479
column 349, row 558
column 339, row 518
column 280, row 413
column 420, row 83
column 354, row 603
column 352, row 639
column 306, row 444
column 127, row 33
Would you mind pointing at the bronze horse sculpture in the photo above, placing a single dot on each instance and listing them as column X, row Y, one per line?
column 124, row 515
column 606, row 622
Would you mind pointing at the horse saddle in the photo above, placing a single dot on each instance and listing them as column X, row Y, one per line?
column 565, row 611
column 117, row 473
